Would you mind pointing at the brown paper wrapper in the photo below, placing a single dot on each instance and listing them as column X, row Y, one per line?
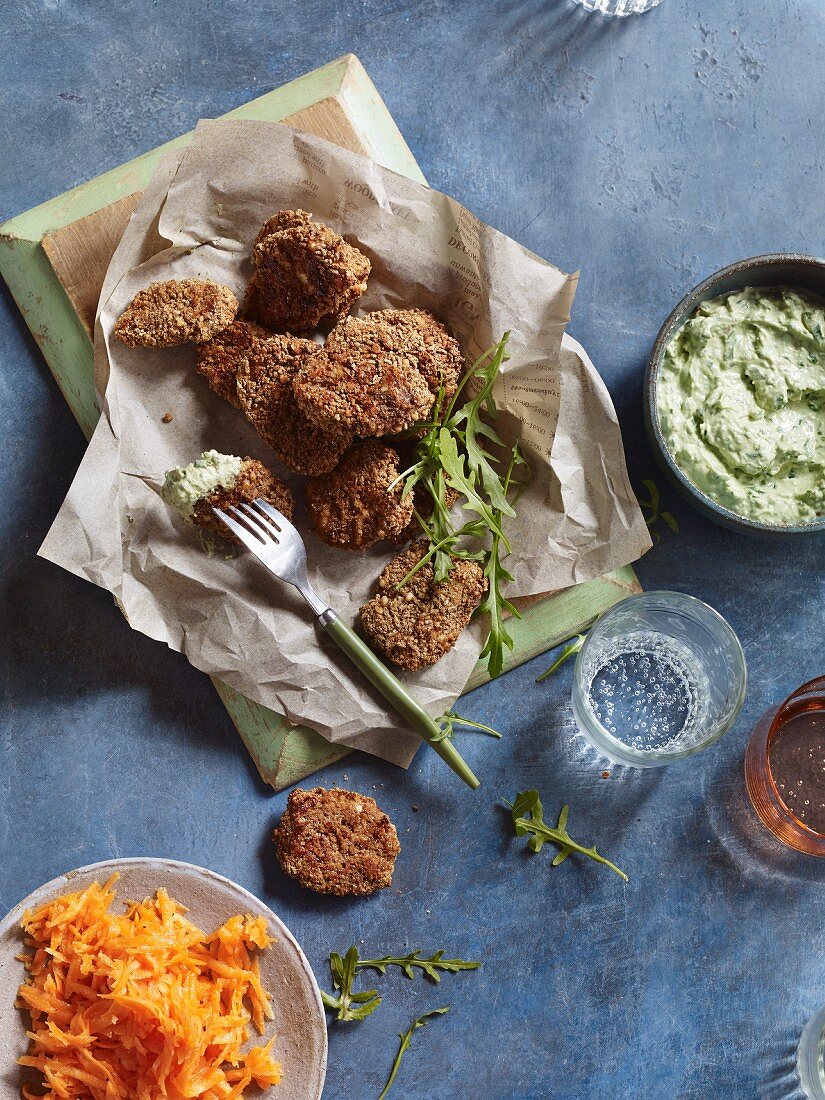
column 198, row 218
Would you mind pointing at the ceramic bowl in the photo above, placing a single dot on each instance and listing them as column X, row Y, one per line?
column 779, row 269
column 299, row 1026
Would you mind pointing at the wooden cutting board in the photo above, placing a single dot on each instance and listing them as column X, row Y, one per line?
column 54, row 258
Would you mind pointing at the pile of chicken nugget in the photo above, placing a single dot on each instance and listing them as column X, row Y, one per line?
column 326, row 410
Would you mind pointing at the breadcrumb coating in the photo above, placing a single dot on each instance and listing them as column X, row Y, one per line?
column 438, row 355
column 220, row 358
column 354, row 507
column 177, row 311
column 264, row 392
column 305, row 273
column 284, row 219
column 254, row 480
column 416, row 626
column 366, row 378
column 336, row 842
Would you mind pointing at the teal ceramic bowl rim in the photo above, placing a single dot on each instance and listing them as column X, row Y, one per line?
column 772, row 268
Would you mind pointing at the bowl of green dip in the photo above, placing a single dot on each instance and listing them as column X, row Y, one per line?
column 735, row 396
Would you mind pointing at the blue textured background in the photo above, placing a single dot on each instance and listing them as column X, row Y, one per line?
column 648, row 153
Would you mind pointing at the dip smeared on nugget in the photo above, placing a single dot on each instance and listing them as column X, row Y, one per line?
column 174, row 312
column 264, row 391
column 366, row 378
column 305, row 273
column 415, row 626
column 359, row 503
column 184, row 486
column 336, row 842
column 220, row 358
column 217, row 481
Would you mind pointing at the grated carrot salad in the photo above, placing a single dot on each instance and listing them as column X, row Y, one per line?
column 142, row 1005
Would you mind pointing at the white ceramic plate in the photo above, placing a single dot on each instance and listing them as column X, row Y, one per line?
column 299, row 1024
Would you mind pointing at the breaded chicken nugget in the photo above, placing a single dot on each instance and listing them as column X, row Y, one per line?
column 254, row 480
column 264, row 390
column 354, row 506
column 175, row 312
column 304, row 274
column 336, row 842
column 438, row 355
column 366, row 378
column 416, row 626
column 220, row 358
column 217, row 480
column 284, row 219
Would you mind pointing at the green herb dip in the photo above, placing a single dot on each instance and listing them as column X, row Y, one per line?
column 741, row 399
column 184, row 486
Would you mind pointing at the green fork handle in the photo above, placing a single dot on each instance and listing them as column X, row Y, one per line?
column 395, row 693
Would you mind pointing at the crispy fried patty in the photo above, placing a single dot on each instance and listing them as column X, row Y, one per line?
column 284, row 219
column 168, row 313
column 220, row 358
column 305, row 273
column 336, row 842
column 354, row 507
column 438, row 355
column 366, row 377
column 416, row 626
column 254, row 480
column 264, row 390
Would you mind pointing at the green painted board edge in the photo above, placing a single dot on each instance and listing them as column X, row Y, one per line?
column 284, row 754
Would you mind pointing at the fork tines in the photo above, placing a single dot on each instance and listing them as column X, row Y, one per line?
column 256, row 525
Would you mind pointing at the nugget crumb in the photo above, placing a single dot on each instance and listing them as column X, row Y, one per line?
column 415, row 626
column 305, row 273
column 174, row 312
column 336, row 842
column 264, row 391
column 220, row 358
column 366, row 378
column 358, row 504
column 254, row 480
column 167, row 418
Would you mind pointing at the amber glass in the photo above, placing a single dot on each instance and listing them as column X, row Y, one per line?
column 759, row 780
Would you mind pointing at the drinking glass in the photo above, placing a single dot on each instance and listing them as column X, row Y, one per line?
column 619, row 7
column 766, row 797
column 811, row 1058
column 660, row 677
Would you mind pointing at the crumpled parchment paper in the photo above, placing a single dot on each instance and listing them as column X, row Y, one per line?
column 198, row 218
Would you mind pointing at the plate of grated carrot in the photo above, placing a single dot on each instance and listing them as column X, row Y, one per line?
column 136, row 979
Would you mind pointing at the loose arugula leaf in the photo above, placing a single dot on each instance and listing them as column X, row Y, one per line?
column 651, row 513
column 458, row 448
column 406, row 1038
column 567, row 653
column 529, row 803
column 348, row 1005
column 408, row 963
column 447, row 723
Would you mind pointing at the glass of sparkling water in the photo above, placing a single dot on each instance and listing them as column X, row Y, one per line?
column 659, row 677
column 811, row 1058
column 619, row 7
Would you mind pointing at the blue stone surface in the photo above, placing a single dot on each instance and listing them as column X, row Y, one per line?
column 647, row 152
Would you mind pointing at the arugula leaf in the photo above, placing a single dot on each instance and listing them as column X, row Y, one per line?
column 529, row 803
column 406, row 1038
column 567, row 653
column 458, row 448
column 448, row 722
column 408, row 963
column 348, row 1005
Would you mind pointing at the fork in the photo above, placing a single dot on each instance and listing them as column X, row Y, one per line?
column 278, row 545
